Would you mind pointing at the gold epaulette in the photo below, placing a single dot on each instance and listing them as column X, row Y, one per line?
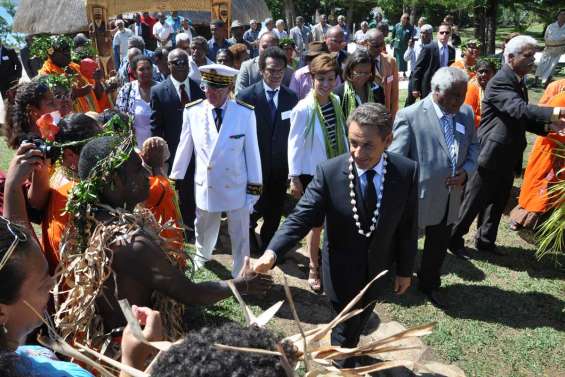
column 254, row 189
column 196, row 102
column 245, row 104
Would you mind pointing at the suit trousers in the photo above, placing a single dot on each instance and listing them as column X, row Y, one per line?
column 207, row 226
column 435, row 250
column 187, row 202
column 410, row 99
column 347, row 333
column 270, row 206
column 486, row 195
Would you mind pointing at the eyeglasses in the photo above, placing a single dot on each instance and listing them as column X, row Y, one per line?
column 178, row 62
column 360, row 74
column 19, row 236
column 444, row 32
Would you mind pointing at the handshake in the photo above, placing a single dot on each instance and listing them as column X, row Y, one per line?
column 558, row 121
column 253, row 278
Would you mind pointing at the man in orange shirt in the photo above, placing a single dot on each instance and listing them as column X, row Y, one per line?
column 470, row 53
column 485, row 69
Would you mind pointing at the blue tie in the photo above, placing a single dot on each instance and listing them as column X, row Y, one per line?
column 272, row 106
column 447, row 126
column 443, row 62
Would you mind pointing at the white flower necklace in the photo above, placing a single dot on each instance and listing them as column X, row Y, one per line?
column 354, row 201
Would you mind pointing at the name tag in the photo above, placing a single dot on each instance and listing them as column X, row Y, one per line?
column 460, row 128
column 285, row 115
column 389, row 79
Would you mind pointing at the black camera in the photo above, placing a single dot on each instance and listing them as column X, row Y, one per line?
column 49, row 151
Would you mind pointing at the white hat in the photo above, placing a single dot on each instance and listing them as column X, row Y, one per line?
column 218, row 74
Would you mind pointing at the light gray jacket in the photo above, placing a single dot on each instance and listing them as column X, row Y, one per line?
column 249, row 74
column 418, row 134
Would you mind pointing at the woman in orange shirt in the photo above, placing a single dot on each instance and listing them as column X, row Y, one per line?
column 470, row 53
column 485, row 70
column 544, row 168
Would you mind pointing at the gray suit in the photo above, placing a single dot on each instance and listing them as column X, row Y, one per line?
column 249, row 74
column 418, row 134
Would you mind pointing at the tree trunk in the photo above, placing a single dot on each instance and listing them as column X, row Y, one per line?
column 289, row 13
column 491, row 11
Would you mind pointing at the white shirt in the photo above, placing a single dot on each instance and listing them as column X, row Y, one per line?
column 162, row 32
column 360, row 36
column 121, row 39
column 275, row 97
column 441, row 51
column 377, row 179
column 177, row 85
column 223, row 107
column 280, row 34
column 411, row 54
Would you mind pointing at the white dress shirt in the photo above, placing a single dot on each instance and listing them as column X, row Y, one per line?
column 177, row 85
column 377, row 179
column 266, row 88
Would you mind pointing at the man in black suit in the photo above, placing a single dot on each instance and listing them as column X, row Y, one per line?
column 10, row 69
column 369, row 227
column 273, row 104
column 168, row 100
column 506, row 116
column 432, row 57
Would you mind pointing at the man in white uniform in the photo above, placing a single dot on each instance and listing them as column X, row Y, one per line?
column 223, row 135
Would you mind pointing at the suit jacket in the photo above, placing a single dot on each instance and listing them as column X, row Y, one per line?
column 10, row 67
column 166, row 115
column 378, row 95
column 228, row 164
column 350, row 260
column 387, row 77
column 426, row 65
column 506, row 116
column 417, row 135
column 249, row 74
column 272, row 136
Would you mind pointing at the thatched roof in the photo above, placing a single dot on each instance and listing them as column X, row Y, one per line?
column 70, row 16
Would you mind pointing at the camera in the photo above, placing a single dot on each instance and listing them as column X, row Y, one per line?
column 49, row 151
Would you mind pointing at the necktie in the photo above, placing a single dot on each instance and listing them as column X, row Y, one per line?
column 218, row 119
column 183, row 95
column 271, row 94
column 449, row 139
column 443, row 56
column 370, row 194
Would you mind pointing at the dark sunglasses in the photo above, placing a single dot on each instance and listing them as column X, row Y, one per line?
column 444, row 32
column 179, row 62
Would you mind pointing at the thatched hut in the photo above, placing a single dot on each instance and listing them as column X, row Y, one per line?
column 71, row 16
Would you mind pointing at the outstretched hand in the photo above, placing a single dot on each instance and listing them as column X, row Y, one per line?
column 252, row 282
column 134, row 352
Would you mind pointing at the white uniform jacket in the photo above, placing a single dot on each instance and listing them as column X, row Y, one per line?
column 305, row 151
column 228, row 164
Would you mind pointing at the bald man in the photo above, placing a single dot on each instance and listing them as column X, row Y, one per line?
column 335, row 40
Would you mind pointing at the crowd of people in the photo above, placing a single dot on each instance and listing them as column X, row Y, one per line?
column 124, row 157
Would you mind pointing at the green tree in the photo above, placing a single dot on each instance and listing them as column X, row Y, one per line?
column 6, row 35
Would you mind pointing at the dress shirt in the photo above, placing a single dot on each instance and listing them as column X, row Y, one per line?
column 213, row 48
column 377, row 179
column 223, row 107
column 162, row 31
column 411, row 54
column 443, row 54
column 275, row 97
column 177, row 85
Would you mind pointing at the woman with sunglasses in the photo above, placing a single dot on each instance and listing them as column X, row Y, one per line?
column 134, row 98
column 317, row 133
column 359, row 86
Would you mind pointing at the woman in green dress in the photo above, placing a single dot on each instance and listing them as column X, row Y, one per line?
column 402, row 32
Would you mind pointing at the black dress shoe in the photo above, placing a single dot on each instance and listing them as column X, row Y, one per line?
column 461, row 253
column 435, row 298
column 492, row 249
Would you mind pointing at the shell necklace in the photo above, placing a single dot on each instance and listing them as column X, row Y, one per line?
column 354, row 201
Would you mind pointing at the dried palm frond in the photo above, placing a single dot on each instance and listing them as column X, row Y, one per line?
column 318, row 359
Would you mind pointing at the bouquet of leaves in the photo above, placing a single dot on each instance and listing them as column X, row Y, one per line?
column 44, row 45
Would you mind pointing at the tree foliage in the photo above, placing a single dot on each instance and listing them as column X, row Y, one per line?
column 6, row 35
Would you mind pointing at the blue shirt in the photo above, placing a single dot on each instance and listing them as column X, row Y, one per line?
column 40, row 361
column 213, row 48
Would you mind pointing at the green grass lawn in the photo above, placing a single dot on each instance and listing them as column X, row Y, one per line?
column 506, row 316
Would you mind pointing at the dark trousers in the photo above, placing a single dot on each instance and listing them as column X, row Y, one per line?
column 486, row 195
column 347, row 333
column 270, row 205
column 410, row 99
column 435, row 249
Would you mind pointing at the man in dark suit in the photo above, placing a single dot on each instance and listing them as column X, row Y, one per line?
column 432, row 57
column 10, row 69
column 168, row 100
column 506, row 116
column 273, row 104
column 369, row 227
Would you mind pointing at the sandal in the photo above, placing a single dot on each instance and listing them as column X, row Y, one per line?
column 314, row 279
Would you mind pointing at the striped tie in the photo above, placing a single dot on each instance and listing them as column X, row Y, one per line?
column 447, row 125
